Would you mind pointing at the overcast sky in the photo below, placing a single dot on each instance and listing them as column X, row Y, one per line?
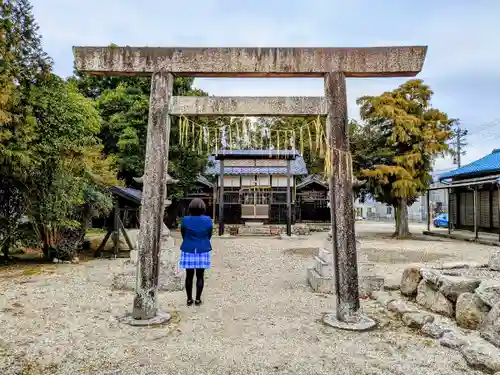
column 462, row 65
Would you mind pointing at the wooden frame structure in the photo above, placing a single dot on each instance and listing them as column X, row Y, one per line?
column 116, row 225
column 334, row 64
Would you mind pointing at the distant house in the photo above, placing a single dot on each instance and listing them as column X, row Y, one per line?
column 474, row 196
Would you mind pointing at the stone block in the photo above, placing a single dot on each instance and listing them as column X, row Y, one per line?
column 453, row 286
column 323, row 268
column 481, row 355
column 433, row 330
column 325, row 284
column 399, row 306
column 434, row 300
column 489, row 292
column 416, row 319
column 494, row 262
column 453, row 340
column 430, row 275
column 490, row 329
column 401, row 61
column 383, row 298
column 319, row 283
column 470, row 311
column 409, row 281
column 325, row 254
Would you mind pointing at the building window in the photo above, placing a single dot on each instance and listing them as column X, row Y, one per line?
column 389, row 210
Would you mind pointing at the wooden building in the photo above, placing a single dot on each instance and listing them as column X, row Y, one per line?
column 312, row 200
column 253, row 184
column 203, row 189
column 474, row 195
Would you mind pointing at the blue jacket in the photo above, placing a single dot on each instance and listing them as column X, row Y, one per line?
column 196, row 234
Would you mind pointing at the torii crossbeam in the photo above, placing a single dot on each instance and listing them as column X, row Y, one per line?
column 334, row 64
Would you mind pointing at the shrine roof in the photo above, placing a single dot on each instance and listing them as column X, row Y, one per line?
column 298, row 165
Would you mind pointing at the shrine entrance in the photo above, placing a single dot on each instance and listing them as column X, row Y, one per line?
column 255, row 203
column 334, row 65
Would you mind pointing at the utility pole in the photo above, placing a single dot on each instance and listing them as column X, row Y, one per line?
column 458, row 142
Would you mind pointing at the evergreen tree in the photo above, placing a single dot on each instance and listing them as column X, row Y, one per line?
column 23, row 64
column 406, row 135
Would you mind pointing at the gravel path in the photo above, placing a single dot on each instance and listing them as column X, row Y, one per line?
column 259, row 317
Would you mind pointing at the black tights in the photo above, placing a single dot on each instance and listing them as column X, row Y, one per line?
column 199, row 282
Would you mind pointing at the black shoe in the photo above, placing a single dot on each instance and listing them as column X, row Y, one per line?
column 197, row 302
column 189, row 302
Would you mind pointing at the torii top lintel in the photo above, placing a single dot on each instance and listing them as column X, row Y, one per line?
column 404, row 61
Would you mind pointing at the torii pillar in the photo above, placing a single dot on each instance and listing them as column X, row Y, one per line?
column 333, row 64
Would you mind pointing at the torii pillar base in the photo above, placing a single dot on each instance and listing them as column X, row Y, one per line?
column 159, row 319
column 356, row 322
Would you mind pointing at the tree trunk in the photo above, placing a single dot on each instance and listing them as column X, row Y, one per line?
column 6, row 249
column 396, row 219
column 402, row 227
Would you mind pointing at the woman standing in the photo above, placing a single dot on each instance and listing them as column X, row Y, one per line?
column 196, row 230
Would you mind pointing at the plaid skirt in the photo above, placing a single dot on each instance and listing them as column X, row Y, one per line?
column 195, row 260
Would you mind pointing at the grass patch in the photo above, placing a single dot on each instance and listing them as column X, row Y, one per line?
column 32, row 271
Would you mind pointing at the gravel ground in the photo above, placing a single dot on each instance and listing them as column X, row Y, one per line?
column 258, row 317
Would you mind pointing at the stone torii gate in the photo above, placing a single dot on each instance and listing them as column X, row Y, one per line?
column 334, row 64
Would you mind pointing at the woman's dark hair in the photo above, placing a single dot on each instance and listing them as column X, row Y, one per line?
column 196, row 207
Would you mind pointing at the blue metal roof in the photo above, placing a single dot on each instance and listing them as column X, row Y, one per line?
column 488, row 164
column 298, row 167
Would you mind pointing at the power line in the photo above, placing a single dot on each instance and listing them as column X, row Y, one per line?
column 485, row 126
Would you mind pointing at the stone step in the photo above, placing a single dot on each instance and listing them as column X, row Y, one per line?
column 323, row 268
column 324, row 284
column 325, row 254
column 319, row 283
column 254, row 224
column 254, row 231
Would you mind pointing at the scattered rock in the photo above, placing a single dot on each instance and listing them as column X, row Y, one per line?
column 409, row 281
column 452, row 340
column 470, row 311
column 482, row 355
column 383, row 298
column 490, row 329
column 55, row 260
column 453, row 286
column 399, row 306
column 489, row 292
column 433, row 330
column 416, row 319
column 75, row 260
column 434, row 300
column 430, row 275
column 494, row 263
